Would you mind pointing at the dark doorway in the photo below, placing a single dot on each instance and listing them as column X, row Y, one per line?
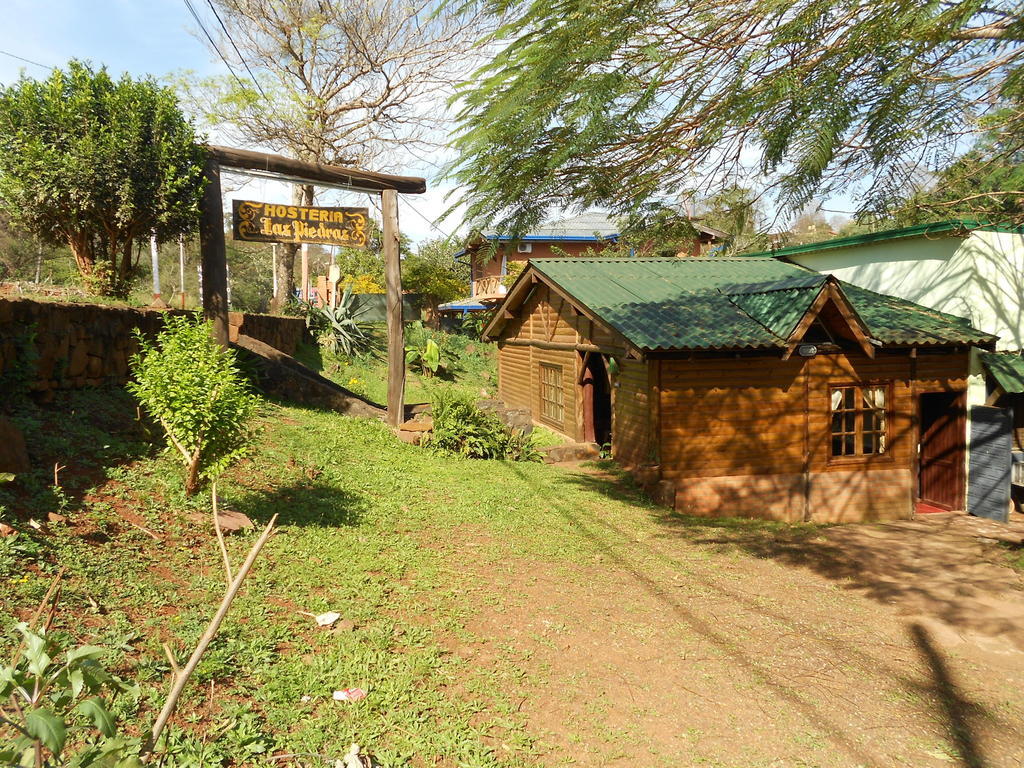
column 941, row 472
column 597, row 400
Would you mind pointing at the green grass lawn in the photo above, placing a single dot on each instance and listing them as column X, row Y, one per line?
column 471, row 368
column 502, row 614
column 359, row 513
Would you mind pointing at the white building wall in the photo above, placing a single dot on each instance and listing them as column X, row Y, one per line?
column 980, row 277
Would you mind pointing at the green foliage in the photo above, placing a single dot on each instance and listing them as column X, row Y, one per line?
column 738, row 211
column 16, row 550
column 428, row 353
column 98, row 164
column 474, row 323
column 425, row 359
column 985, row 183
column 194, row 389
column 433, row 272
column 55, row 707
column 616, row 103
column 513, row 270
column 461, row 427
column 339, row 328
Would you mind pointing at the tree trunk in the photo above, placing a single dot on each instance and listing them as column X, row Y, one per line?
column 302, row 194
column 104, row 274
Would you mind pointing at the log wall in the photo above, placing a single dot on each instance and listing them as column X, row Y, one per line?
column 631, row 414
column 751, row 436
column 544, row 317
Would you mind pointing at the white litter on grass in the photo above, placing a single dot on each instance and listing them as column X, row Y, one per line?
column 352, row 760
column 326, row 619
column 350, row 694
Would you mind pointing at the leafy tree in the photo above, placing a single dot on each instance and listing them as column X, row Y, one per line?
column 810, row 227
column 98, row 164
column 431, row 270
column 987, row 182
column 193, row 387
column 338, row 82
column 615, row 103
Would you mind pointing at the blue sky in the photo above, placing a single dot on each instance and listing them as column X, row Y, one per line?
column 136, row 36
column 154, row 37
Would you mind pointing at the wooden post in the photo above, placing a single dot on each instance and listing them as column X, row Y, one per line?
column 393, row 285
column 214, row 255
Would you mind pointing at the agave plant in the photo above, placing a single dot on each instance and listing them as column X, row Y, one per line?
column 339, row 328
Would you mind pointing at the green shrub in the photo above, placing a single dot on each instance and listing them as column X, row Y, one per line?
column 460, row 427
column 194, row 388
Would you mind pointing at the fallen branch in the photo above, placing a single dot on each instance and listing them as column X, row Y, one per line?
column 143, row 529
column 204, row 641
column 220, row 534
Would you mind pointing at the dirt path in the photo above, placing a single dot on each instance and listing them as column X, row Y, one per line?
column 858, row 646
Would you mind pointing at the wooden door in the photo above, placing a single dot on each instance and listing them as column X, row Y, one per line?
column 941, row 472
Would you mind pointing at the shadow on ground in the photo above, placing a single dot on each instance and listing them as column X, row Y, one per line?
column 307, row 502
column 74, row 443
column 952, row 568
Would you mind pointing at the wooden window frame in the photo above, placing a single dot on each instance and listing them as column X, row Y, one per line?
column 858, row 431
column 557, row 389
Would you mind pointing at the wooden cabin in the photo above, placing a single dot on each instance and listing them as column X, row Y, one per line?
column 744, row 386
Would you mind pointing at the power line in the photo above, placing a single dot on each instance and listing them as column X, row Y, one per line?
column 430, row 223
column 209, row 37
column 27, row 61
column 240, row 57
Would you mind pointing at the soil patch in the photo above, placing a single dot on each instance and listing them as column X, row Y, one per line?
column 854, row 646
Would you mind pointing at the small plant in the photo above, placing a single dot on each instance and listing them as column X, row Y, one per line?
column 193, row 387
column 426, row 359
column 430, row 353
column 50, row 692
column 460, row 427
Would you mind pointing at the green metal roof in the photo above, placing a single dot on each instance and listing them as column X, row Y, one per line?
column 1006, row 368
column 731, row 303
column 935, row 228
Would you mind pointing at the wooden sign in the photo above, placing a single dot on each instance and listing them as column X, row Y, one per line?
column 275, row 223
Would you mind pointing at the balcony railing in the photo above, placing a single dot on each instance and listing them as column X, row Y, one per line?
column 488, row 286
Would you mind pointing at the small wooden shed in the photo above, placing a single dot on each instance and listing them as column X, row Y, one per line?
column 744, row 386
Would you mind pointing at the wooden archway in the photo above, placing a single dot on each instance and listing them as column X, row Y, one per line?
column 214, row 255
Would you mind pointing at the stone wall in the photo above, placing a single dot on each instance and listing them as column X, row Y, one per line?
column 89, row 345
column 282, row 333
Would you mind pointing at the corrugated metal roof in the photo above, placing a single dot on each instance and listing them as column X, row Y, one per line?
column 731, row 303
column 592, row 225
column 955, row 227
column 1007, row 369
